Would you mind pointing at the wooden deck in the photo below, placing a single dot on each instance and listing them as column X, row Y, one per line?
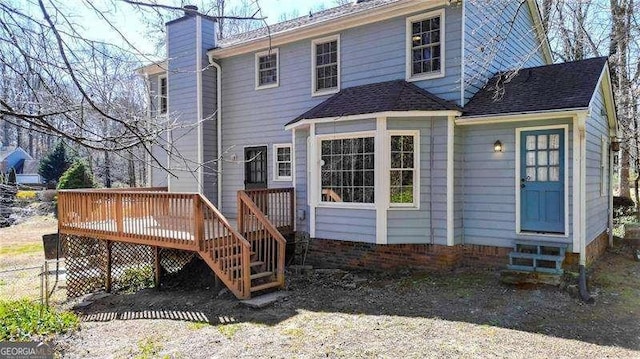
column 239, row 253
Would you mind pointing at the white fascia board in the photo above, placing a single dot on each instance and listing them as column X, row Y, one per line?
column 154, row 68
column 373, row 116
column 329, row 26
column 519, row 116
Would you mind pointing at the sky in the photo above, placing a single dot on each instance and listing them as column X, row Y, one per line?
column 132, row 26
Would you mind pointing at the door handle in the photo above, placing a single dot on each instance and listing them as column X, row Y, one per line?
column 522, row 182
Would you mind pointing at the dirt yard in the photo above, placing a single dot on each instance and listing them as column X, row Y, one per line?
column 338, row 314
column 335, row 314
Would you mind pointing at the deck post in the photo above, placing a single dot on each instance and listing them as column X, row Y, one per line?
column 292, row 209
column 240, row 219
column 156, row 259
column 199, row 222
column 107, row 269
column 119, row 222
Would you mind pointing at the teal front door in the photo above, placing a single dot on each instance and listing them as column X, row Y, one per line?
column 542, row 181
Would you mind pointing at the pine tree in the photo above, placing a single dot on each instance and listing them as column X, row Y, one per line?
column 77, row 176
column 12, row 177
column 55, row 163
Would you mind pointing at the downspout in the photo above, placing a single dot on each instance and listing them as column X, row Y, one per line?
column 218, row 128
column 582, row 281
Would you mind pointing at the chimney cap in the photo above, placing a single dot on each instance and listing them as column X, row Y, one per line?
column 190, row 8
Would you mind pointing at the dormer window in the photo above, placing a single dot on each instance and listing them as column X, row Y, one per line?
column 267, row 69
column 326, row 65
column 425, row 46
column 162, row 94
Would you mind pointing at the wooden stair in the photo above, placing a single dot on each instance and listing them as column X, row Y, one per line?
column 530, row 256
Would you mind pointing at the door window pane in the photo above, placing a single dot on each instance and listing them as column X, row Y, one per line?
column 542, row 158
column 542, row 174
column 531, row 173
column 531, row 143
column 554, row 142
column 542, row 142
column 554, row 173
column 554, row 158
column 531, row 158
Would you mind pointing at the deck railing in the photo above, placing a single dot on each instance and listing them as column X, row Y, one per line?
column 277, row 204
column 174, row 220
column 261, row 230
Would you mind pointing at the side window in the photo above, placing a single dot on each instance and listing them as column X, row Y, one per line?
column 162, row 94
column 282, row 162
column 403, row 170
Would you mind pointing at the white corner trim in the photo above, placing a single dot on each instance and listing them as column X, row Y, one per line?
column 463, row 52
column 583, row 188
column 322, row 40
column 604, row 152
column 274, row 51
column 450, row 181
column 313, row 181
column 293, row 179
column 199, row 110
column 408, row 63
column 578, row 135
column 381, row 180
column 565, row 129
column 276, row 146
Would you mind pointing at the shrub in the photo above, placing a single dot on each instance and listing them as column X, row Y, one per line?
column 623, row 206
column 55, row 163
column 48, row 195
column 23, row 319
column 12, row 177
column 26, row 195
column 77, row 176
column 134, row 279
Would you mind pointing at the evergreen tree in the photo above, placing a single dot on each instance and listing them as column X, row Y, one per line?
column 12, row 177
column 77, row 176
column 55, row 163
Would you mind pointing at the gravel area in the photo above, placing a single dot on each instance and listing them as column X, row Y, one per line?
column 335, row 314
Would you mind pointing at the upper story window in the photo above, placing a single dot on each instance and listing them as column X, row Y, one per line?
column 326, row 65
column 282, row 162
column 267, row 69
column 425, row 46
column 162, row 94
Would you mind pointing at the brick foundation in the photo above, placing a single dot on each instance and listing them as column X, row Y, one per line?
column 595, row 250
column 328, row 253
column 354, row 255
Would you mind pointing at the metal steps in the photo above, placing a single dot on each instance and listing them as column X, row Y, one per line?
column 545, row 257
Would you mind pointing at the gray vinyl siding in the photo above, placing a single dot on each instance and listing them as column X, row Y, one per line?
column 369, row 54
column 489, row 184
column 302, row 200
column 414, row 225
column 458, row 185
column 499, row 35
column 358, row 225
column 209, row 106
column 597, row 205
column 182, row 92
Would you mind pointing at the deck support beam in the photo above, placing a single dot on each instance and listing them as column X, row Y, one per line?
column 156, row 260
column 107, row 269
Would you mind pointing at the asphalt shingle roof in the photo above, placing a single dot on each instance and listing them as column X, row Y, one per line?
column 397, row 95
column 321, row 16
column 550, row 87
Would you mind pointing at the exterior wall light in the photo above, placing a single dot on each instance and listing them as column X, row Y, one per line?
column 497, row 147
column 615, row 145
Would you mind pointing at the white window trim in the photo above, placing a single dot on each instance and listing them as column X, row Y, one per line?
column 408, row 60
column 604, row 152
column 160, row 78
column 313, row 65
column 416, row 168
column 565, row 129
column 337, row 136
column 276, row 177
column 276, row 52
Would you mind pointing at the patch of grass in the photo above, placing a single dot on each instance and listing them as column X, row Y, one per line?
column 293, row 332
column 149, row 348
column 197, row 325
column 22, row 249
column 22, row 319
column 229, row 330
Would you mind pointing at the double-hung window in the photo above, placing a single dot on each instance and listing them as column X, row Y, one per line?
column 267, row 69
column 425, row 46
column 162, row 94
column 403, row 170
column 282, row 162
column 347, row 169
column 326, row 65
